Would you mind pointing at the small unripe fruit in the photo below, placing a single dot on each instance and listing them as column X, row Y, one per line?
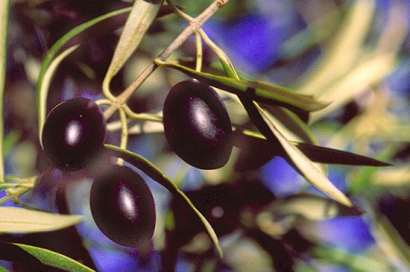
column 197, row 125
column 73, row 134
column 122, row 206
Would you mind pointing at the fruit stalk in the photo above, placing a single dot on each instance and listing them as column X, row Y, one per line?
column 193, row 27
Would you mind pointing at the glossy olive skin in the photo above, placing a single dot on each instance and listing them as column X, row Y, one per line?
column 73, row 134
column 197, row 125
column 122, row 206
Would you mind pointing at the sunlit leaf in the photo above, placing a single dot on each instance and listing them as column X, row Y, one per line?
column 156, row 174
column 255, row 90
column 311, row 207
column 142, row 15
column 39, row 259
column 341, row 55
column 4, row 17
column 46, row 81
column 292, row 154
column 20, row 220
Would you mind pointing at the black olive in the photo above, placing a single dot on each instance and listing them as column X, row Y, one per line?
column 73, row 133
column 122, row 206
column 197, row 125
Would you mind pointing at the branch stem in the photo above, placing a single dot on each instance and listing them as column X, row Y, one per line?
column 192, row 28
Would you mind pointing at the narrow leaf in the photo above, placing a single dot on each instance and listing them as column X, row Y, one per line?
column 311, row 207
column 334, row 156
column 39, row 259
column 307, row 168
column 153, row 172
column 255, row 90
column 20, row 220
column 46, row 81
column 293, row 155
column 315, row 153
column 141, row 17
column 4, row 17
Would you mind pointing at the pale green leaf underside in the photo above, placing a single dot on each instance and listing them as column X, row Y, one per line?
column 141, row 17
column 305, row 166
column 20, row 220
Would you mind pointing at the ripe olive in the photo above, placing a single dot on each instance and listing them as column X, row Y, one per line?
column 197, row 125
column 73, row 133
column 122, row 206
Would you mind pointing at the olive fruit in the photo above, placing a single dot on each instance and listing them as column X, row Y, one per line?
column 197, row 125
column 73, row 134
column 122, row 206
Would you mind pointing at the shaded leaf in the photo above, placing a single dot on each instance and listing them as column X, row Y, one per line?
column 39, row 259
column 389, row 240
column 255, row 90
column 255, row 141
column 334, row 156
column 153, row 172
column 20, row 220
column 311, row 207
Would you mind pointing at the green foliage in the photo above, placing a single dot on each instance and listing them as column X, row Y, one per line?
column 272, row 121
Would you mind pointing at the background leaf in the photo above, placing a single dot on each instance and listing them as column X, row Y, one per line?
column 20, row 220
column 4, row 16
column 311, row 207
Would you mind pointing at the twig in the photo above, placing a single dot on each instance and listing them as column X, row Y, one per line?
column 192, row 28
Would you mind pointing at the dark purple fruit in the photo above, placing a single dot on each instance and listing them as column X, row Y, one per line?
column 122, row 206
column 197, row 125
column 73, row 133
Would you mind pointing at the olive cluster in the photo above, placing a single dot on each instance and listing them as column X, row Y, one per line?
column 121, row 203
column 196, row 126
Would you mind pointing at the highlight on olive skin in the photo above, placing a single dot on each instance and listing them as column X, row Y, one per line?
column 122, row 206
column 197, row 125
column 73, row 134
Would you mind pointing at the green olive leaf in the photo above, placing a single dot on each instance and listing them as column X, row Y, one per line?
column 311, row 207
column 254, row 140
column 39, row 259
column 20, row 220
column 141, row 17
column 4, row 16
column 292, row 154
column 255, row 90
column 334, row 156
column 156, row 174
